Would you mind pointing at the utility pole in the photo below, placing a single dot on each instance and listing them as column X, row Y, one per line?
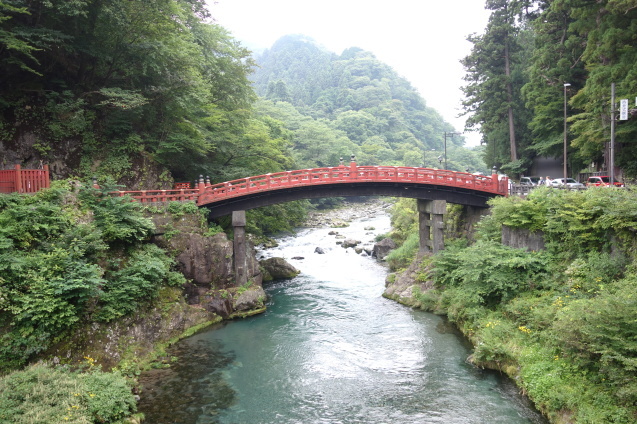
column 612, row 135
column 565, row 134
column 450, row 135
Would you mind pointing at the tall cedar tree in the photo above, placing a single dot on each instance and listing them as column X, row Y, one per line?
column 495, row 74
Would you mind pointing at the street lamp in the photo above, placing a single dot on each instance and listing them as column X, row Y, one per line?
column 450, row 135
column 565, row 132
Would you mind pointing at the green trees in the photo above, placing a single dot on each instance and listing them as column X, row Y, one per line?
column 123, row 79
column 495, row 75
column 357, row 105
column 585, row 44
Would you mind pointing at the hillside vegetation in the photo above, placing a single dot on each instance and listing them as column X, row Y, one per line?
column 560, row 321
column 516, row 75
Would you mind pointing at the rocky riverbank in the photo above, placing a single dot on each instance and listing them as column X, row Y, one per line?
column 404, row 287
column 342, row 216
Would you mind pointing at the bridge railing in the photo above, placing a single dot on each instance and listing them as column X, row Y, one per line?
column 206, row 193
column 160, row 196
column 343, row 174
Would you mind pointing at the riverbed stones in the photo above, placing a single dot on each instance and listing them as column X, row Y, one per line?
column 250, row 299
column 319, row 250
column 277, row 269
column 402, row 286
column 382, row 248
column 350, row 243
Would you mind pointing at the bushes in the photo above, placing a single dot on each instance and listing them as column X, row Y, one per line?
column 67, row 255
column 405, row 253
column 137, row 281
column 488, row 272
column 41, row 395
column 561, row 322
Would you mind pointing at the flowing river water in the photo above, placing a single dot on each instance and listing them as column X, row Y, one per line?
column 330, row 349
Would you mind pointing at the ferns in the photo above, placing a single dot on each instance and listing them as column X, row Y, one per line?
column 53, row 250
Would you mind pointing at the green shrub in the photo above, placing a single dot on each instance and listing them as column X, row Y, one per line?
column 118, row 218
column 138, row 281
column 489, row 272
column 405, row 253
column 44, row 395
column 599, row 335
column 55, row 247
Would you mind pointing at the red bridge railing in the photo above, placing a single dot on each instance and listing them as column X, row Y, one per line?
column 24, row 180
column 206, row 193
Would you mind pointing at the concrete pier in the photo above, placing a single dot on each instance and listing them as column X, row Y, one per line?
column 431, row 226
column 240, row 256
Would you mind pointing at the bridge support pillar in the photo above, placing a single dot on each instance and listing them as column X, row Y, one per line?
column 431, row 226
column 240, row 257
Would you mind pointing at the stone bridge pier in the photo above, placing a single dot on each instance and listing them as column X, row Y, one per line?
column 240, row 254
column 431, row 227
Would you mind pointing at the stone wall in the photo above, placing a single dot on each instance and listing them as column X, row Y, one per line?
column 521, row 238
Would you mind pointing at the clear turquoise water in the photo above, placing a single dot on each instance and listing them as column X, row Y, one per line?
column 330, row 349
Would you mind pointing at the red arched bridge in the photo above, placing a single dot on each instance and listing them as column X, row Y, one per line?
column 395, row 181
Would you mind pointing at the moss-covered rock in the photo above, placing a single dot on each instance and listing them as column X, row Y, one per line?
column 277, row 269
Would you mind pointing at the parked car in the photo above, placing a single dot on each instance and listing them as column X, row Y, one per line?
column 529, row 181
column 570, row 183
column 602, row 181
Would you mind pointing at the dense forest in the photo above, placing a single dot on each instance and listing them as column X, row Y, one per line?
column 517, row 71
column 108, row 90
column 352, row 103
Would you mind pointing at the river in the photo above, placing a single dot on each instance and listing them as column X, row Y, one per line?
column 330, row 349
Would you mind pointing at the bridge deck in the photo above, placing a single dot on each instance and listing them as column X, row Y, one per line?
column 331, row 178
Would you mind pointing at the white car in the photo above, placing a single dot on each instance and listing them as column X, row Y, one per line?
column 529, row 181
column 570, row 183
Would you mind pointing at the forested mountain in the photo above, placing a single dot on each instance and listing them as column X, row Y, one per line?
column 140, row 93
column 357, row 105
column 516, row 76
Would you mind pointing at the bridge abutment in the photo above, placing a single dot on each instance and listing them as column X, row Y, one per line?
column 431, row 226
column 240, row 257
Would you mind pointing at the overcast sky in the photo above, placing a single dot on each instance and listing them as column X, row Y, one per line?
column 422, row 40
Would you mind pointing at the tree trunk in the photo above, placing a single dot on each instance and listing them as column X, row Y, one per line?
column 507, row 70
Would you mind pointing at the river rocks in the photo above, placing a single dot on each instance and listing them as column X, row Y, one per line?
column 402, row 286
column 382, row 248
column 277, row 269
column 249, row 300
column 319, row 250
column 339, row 224
column 340, row 218
column 135, row 336
column 350, row 243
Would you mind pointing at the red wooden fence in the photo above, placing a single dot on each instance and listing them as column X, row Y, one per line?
column 24, row 180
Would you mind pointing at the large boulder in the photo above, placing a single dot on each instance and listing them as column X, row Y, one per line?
column 277, row 269
column 350, row 243
column 403, row 286
column 382, row 248
column 249, row 300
